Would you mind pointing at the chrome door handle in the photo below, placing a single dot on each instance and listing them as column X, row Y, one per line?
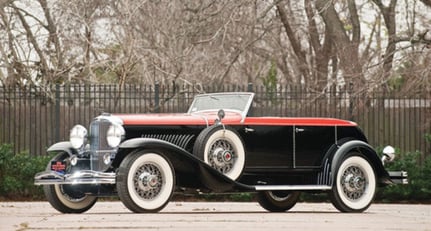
column 247, row 130
column 299, row 130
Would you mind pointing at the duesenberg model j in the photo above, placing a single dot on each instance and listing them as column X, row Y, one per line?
column 216, row 147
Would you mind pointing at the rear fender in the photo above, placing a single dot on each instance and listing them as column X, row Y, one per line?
column 366, row 150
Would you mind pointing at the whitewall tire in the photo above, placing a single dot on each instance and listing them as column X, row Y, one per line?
column 355, row 184
column 145, row 181
column 65, row 198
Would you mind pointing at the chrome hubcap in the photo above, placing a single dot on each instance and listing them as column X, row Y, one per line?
column 221, row 156
column 148, row 181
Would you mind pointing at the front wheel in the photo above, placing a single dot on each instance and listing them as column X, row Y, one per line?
column 65, row 198
column 355, row 184
column 145, row 181
column 278, row 201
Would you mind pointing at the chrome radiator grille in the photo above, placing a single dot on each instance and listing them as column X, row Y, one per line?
column 98, row 129
column 98, row 144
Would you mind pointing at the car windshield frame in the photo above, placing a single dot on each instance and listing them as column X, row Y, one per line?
column 229, row 101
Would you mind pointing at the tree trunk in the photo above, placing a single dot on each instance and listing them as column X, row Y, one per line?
column 347, row 50
column 296, row 46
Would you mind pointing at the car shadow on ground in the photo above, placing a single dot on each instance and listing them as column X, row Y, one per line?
column 204, row 211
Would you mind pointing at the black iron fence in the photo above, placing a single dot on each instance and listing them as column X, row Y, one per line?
column 32, row 118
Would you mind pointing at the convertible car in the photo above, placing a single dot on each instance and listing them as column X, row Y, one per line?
column 216, row 147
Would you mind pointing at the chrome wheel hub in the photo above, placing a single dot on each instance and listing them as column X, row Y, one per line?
column 148, row 181
column 221, row 156
column 353, row 183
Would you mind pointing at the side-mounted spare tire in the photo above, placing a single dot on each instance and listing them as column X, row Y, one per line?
column 221, row 148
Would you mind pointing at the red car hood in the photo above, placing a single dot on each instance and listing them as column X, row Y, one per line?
column 203, row 118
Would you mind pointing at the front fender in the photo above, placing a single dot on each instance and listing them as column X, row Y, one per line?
column 185, row 162
column 64, row 146
column 365, row 149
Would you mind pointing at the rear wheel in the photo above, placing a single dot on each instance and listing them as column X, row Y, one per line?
column 145, row 181
column 278, row 201
column 64, row 198
column 355, row 184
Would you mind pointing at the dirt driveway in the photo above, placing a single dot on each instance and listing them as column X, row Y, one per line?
column 214, row 216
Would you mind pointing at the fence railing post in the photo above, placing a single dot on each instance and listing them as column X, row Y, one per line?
column 351, row 102
column 250, row 87
column 57, row 113
column 157, row 97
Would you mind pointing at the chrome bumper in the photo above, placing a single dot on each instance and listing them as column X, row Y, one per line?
column 81, row 177
column 399, row 177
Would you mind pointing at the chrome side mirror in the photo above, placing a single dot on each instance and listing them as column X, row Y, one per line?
column 388, row 154
column 220, row 115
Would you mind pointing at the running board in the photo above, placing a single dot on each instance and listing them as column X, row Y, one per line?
column 292, row 187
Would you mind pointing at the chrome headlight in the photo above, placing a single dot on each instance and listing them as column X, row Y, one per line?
column 115, row 135
column 78, row 134
column 388, row 154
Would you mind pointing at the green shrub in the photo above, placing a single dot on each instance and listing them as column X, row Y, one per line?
column 419, row 173
column 17, row 174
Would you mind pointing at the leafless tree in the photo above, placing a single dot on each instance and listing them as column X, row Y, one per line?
column 317, row 44
column 335, row 46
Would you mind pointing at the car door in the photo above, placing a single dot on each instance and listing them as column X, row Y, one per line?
column 268, row 147
column 311, row 145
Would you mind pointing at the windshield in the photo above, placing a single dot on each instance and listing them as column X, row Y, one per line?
column 226, row 101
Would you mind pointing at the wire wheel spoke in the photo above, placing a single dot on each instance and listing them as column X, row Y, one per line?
column 354, row 183
column 148, row 181
column 222, row 155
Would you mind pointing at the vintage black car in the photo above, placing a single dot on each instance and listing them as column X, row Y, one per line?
column 216, row 147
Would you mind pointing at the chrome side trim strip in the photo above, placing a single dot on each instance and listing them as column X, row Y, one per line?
column 291, row 187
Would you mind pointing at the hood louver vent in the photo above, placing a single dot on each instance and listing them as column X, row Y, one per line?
column 181, row 140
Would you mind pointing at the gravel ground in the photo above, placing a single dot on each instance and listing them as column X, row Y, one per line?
column 214, row 216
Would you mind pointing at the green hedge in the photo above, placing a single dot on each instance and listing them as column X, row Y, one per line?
column 17, row 174
column 419, row 187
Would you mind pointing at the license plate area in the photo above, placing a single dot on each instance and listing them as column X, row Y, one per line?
column 58, row 166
